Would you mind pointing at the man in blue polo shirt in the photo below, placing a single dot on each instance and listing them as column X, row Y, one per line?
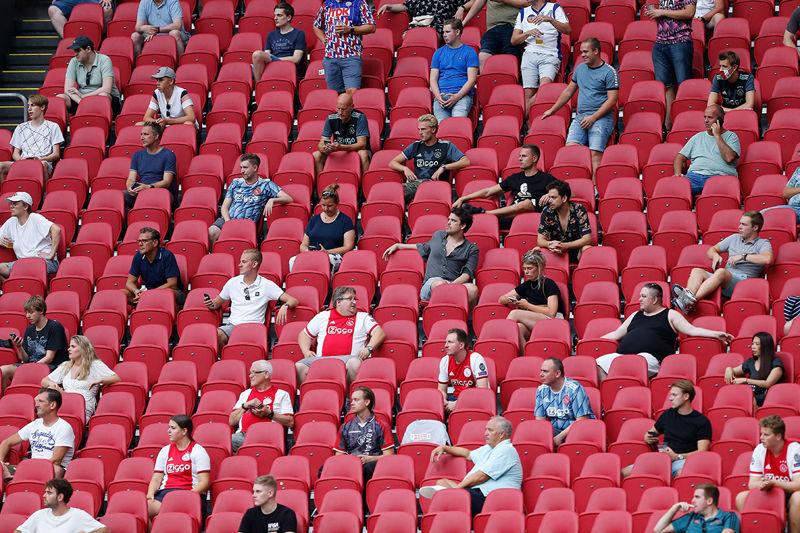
column 159, row 17
column 156, row 266
column 152, row 167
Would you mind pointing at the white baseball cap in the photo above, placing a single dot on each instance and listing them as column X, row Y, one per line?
column 21, row 197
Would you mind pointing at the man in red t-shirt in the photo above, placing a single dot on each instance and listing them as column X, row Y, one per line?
column 460, row 368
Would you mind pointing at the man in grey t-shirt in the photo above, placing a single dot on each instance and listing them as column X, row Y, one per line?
column 747, row 256
column 713, row 152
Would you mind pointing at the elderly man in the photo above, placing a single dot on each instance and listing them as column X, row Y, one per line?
column 344, row 131
column 262, row 400
column 159, row 17
column 155, row 265
column 57, row 516
column 702, row 514
column 454, row 373
column 89, row 73
column 560, row 400
column 35, row 139
column 342, row 332
column 170, row 104
column 154, row 166
column 497, row 465
column 29, row 233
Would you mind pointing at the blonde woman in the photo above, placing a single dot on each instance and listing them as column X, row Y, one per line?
column 83, row 373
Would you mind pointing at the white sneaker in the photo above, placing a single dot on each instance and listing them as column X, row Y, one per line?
column 429, row 490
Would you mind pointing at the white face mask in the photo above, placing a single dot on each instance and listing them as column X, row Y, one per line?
column 727, row 72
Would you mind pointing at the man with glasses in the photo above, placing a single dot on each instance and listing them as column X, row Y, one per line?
column 343, row 332
column 156, row 266
column 152, row 167
column 249, row 294
column 263, row 401
column 29, row 234
column 344, row 131
column 170, row 104
column 702, row 514
column 89, row 73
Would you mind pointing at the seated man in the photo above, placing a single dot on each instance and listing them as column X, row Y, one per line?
column 713, row 152
column 454, row 72
column 35, row 139
column 497, row 465
column 152, row 167
column 249, row 294
column 705, row 515
column 266, row 512
column 159, row 17
column 30, row 234
column 170, row 104
column 60, row 10
column 528, row 189
column 791, row 193
column 340, row 335
column 748, row 254
column 283, row 44
column 564, row 226
column 57, row 517
column 89, row 73
column 248, row 197
column 735, row 88
column 156, row 266
column 344, row 131
column 262, row 400
column 454, row 373
column 560, row 400
column 789, row 36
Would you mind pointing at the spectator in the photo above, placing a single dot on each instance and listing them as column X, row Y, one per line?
column 713, row 152
column 537, row 298
column 339, row 335
column 331, row 231
column 344, row 131
column 159, row 17
column 454, row 373
column 560, row 400
column 736, row 89
column 267, row 514
column 789, row 36
column 427, row 13
column 284, row 43
column 248, row 197
column 791, row 193
column 705, row 515
column 35, row 139
column 431, row 157
column 339, row 27
column 652, row 332
column 761, row 371
column 29, row 234
column 599, row 90
column 775, row 464
column 528, row 189
column 497, row 465
column 83, row 374
column 89, row 73
column 60, row 10
column 180, row 465
column 57, row 517
column 172, row 103
column 672, row 51
column 791, row 309
column 710, row 12
column 249, row 294
column 450, row 257
column 748, row 254
column 564, row 225
column 539, row 26
column 685, row 430
column 156, row 266
column 50, row 437
column 262, row 400
column 500, row 17
column 154, row 166
column 454, row 71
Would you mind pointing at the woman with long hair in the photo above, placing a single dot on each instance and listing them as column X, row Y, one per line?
column 761, row 371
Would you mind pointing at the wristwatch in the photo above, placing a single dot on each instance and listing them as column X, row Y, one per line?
column 370, row 348
column 680, row 457
column 270, row 414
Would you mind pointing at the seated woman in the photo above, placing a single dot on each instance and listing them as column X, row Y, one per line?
column 181, row 465
column 83, row 373
column 537, row 298
column 761, row 371
column 331, row 231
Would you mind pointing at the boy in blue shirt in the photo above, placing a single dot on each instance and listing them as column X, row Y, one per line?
column 454, row 71
column 283, row 44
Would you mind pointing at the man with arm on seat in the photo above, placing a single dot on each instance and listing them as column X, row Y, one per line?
column 455, row 371
column 702, row 514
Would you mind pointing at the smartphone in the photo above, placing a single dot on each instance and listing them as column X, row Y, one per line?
column 513, row 299
column 653, row 433
column 326, row 141
column 13, row 335
column 206, row 296
column 719, row 121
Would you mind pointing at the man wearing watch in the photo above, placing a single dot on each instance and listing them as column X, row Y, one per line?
column 262, row 402
column 685, row 430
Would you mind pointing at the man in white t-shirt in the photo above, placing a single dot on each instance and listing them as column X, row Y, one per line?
column 30, row 234
column 249, row 294
column 57, row 517
column 36, row 139
column 341, row 332
column 262, row 400
column 50, row 437
column 460, row 368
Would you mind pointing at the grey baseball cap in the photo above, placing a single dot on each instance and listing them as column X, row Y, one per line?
column 164, row 72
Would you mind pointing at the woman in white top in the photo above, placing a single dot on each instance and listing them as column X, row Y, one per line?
column 83, row 373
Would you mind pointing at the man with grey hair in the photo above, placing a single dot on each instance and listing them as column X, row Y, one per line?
column 497, row 465
column 262, row 400
column 342, row 332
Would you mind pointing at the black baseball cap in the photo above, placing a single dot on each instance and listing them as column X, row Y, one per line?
column 81, row 41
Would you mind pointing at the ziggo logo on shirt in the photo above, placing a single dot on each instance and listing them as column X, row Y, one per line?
column 177, row 469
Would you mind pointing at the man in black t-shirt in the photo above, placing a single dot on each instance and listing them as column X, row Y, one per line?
column 346, row 130
column 267, row 515
column 735, row 89
column 528, row 189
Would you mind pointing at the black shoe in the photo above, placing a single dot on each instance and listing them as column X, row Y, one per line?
column 472, row 209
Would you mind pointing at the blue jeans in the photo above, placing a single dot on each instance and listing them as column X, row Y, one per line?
column 697, row 181
column 460, row 109
column 342, row 73
column 596, row 137
column 795, row 208
column 672, row 62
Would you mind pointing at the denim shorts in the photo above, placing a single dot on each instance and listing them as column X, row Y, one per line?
column 66, row 6
column 460, row 109
column 498, row 41
column 595, row 137
column 728, row 291
column 342, row 73
column 426, row 289
column 534, row 67
column 673, row 62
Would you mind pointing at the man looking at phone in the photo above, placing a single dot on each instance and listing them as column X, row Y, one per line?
column 346, row 130
column 713, row 152
column 152, row 167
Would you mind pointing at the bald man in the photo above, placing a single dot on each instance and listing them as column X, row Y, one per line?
column 345, row 131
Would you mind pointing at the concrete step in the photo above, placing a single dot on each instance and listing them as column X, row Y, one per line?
column 28, row 59
column 22, row 77
column 36, row 43
column 27, row 26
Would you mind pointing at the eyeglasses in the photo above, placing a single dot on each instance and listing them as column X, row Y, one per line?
column 247, row 293
column 89, row 76
column 168, row 109
column 144, row 241
column 257, row 371
column 353, row 298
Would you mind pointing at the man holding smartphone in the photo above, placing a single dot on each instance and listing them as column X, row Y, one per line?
column 152, row 167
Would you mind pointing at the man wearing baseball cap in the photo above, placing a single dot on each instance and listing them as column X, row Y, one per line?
column 29, row 233
column 170, row 104
column 89, row 73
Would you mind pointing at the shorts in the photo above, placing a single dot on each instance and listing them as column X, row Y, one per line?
column 426, row 289
column 595, row 137
column 498, row 41
column 410, row 189
column 677, row 466
column 163, row 492
column 227, row 329
column 308, row 360
column 534, row 67
column 342, row 73
column 727, row 292
column 51, row 264
column 604, row 362
column 66, row 6
column 476, row 499
column 116, row 106
column 673, row 62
